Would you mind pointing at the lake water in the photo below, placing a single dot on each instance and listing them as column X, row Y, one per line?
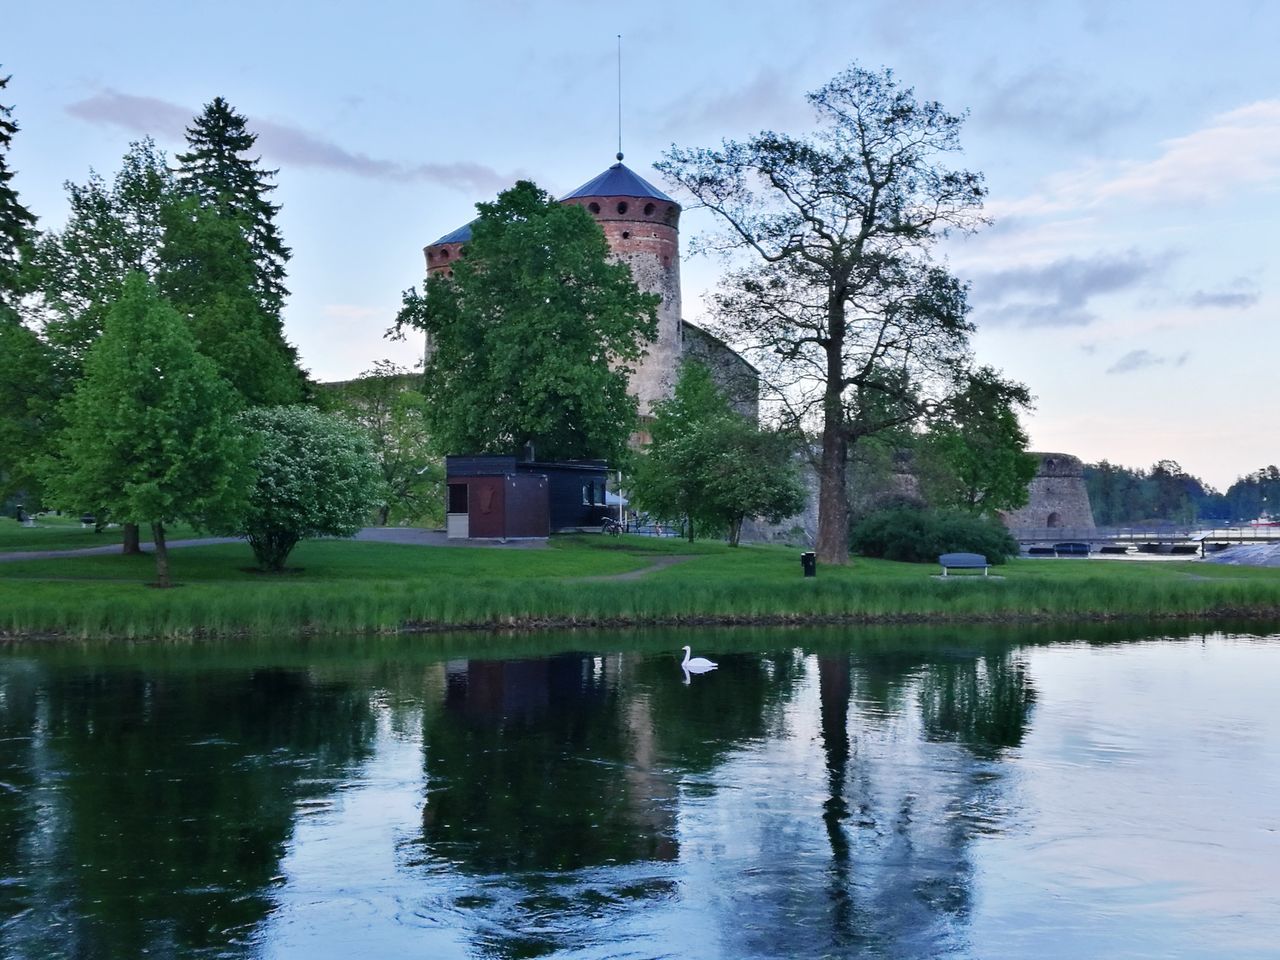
column 938, row 793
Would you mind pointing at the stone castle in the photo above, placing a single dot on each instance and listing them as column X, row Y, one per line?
column 642, row 227
column 1057, row 497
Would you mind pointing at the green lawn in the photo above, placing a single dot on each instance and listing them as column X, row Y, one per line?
column 66, row 533
column 344, row 586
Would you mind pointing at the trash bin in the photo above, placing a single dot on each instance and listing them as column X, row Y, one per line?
column 809, row 561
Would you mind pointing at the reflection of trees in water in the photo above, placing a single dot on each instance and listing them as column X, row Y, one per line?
column 555, row 783
column 165, row 804
column 559, row 794
column 889, row 871
column 981, row 702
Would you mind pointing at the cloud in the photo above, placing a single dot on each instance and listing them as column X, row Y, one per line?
column 287, row 144
column 771, row 98
column 1057, row 294
column 1236, row 150
column 1049, row 100
column 1142, row 359
column 147, row 115
column 1241, row 295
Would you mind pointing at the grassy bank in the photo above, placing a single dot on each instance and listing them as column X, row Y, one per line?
column 343, row 586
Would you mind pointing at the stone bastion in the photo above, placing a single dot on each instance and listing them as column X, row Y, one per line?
column 1057, row 496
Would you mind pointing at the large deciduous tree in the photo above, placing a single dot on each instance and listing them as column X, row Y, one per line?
column 29, row 391
column 149, row 432
column 388, row 403
column 853, row 325
column 534, row 336
column 976, row 459
column 220, row 171
column 114, row 230
column 316, row 476
column 711, row 468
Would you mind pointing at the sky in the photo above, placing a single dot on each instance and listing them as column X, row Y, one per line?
column 1131, row 150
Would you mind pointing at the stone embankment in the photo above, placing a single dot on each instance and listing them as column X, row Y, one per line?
column 1249, row 555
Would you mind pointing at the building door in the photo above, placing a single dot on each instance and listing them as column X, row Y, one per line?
column 457, row 520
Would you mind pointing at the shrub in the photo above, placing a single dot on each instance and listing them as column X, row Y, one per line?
column 316, row 477
column 920, row 536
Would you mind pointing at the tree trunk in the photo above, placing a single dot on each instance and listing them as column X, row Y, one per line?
column 735, row 531
column 689, row 520
column 272, row 548
column 130, row 542
column 384, row 512
column 833, row 496
column 833, row 489
column 162, row 555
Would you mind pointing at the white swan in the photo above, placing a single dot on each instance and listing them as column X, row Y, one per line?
column 697, row 664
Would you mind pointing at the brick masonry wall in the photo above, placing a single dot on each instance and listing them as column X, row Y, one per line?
column 644, row 234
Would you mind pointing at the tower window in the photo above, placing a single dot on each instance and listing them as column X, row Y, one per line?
column 444, row 254
column 626, row 234
column 622, row 207
column 593, row 207
column 648, row 209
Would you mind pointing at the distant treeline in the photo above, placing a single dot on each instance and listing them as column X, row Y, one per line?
column 1165, row 493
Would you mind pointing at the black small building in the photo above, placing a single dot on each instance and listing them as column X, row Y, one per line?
column 499, row 498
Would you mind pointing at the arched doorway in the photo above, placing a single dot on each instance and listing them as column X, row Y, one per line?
column 1055, row 520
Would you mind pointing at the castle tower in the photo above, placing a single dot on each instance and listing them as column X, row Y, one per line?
column 442, row 254
column 641, row 226
column 1056, row 497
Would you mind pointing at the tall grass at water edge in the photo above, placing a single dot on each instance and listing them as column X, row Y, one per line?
column 710, row 589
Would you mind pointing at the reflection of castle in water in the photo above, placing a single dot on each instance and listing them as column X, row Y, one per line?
column 800, row 804
column 560, row 771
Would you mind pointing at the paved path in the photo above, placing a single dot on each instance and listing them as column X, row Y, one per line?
column 408, row 535
column 106, row 550
column 661, row 563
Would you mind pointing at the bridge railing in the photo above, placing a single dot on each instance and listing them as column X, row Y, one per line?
column 1161, row 534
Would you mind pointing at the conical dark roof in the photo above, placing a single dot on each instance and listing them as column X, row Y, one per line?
column 618, row 181
column 461, row 235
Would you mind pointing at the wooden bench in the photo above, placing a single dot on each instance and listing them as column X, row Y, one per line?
column 963, row 561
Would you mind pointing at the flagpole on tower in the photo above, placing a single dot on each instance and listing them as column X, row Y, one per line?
column 619, row 98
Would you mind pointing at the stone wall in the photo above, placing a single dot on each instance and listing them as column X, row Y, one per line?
column 739, row 380
column 1057, row 497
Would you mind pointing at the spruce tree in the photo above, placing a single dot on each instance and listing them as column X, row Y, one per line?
column 207, row 273
column 17, row 225
column 220, row 172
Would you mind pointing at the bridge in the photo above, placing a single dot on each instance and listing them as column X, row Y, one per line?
column 1168, row 539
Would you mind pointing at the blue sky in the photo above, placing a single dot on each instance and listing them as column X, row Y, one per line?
column 1132, row 152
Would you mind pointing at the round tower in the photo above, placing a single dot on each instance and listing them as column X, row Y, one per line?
column 442, row 254
column 642, row 227
column 1056, row 497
